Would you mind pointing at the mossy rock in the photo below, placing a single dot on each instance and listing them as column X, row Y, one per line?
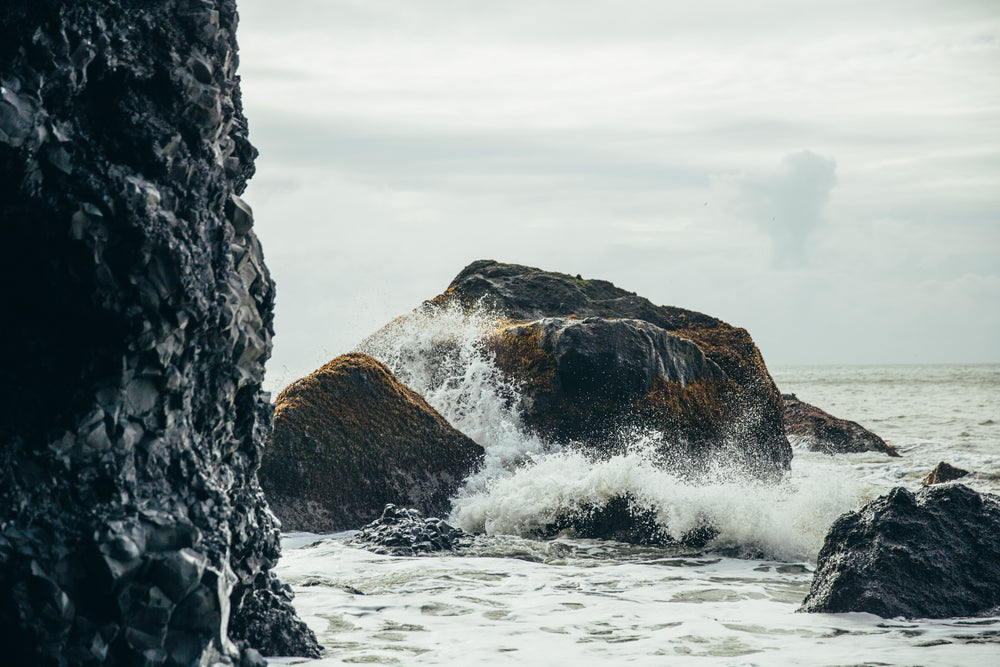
column 592, row 358
column 349, row 439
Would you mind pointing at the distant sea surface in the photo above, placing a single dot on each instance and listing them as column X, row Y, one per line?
column 514, row 600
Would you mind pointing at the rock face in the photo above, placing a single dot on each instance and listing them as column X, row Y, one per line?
column 591, row 358
column 944, row 472
column 405, row 532
column 822, row 432
column 932, row 554
column 137, row 319
column 351, row 438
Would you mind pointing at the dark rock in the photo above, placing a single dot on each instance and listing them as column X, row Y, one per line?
column 350, row 438
column 623, row 519
column 239, row 214
column 932, row 554
column 699, row 381
column 270, row 624
column 944, row 472
column 137, row 323
column 404, row 532
column 822, row 432
column 583, row 380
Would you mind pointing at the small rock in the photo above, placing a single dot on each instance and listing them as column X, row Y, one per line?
column 404, row 532
column 822, row 432
column 944, row 472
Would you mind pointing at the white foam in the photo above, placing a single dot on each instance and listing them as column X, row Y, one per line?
column 783, row 521
column 526, row 483
column 438, row 352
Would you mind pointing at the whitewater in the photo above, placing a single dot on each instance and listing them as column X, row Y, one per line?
column 513, row 598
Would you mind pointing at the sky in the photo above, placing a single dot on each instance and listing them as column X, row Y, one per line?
column 825, row 175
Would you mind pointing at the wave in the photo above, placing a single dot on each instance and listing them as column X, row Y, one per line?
column 527, row 484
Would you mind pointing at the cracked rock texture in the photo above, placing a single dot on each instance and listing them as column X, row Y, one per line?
column 138, row 316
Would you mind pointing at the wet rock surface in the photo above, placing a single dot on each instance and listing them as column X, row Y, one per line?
column 624, row 520
column 597, row 354
column 822, row 432
column 405, row 532
column 584, row 380
column 349, row 439
column 138, row 316
column 930, row 554
column 944, row 472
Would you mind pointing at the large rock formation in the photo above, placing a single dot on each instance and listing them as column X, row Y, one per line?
column 137, row 319
column 930, row 554
column 349, row 439
column 592, row 358
column 820, row 431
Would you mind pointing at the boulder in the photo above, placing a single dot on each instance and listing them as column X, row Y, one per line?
column 944, row 472
column 592, row 358
column 822, row 432
column 350, row 438
column 405, row 532
column 137, row 320
column 930, row 554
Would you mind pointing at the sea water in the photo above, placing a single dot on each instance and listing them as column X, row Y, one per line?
column 512, row 599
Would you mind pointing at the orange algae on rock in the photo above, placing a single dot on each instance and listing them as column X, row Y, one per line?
column 350, row 438
column 625, row 364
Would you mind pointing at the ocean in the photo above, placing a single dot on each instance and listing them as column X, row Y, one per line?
column 514, row 600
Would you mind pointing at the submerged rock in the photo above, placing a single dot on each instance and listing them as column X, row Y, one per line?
column 822, row 432
column 623, row 519
column 138, row 317
column 351, row 438
column 944, row 472
column 592, row 358
column 405, row 532
column 930, row 554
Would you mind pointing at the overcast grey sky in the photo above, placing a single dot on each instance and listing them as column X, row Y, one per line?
column 826, row 175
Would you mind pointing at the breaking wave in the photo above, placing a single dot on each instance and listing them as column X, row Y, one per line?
column 527, row 484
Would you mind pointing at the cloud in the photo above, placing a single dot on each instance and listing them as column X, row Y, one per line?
column 787, row 203
column 399, row 143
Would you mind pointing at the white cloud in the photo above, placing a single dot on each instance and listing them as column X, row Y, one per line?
column 401, row 140
column 787, row 203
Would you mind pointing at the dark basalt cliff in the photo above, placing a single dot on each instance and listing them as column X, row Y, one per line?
column 137, row 319
column 591, row 357
column 930, row 554
column 349, row 439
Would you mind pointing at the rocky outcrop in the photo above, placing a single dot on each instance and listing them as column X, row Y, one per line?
column 349, row 439
column 820, row 431
column 944, row 472
column 592, row 358
column 405, row 532
column 930, row 554
column 137, row 319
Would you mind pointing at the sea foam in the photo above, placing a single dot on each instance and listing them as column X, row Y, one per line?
column 526, row 483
